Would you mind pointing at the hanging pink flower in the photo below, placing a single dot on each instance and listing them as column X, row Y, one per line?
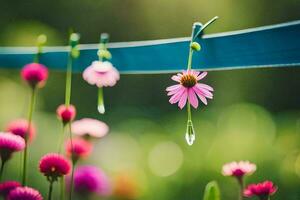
column 20, row 127
column 66, row 113
column 35, row 74
column 7, row 186
column 189, row 89
column 78, row 148
column 24, row 193
column 54, row 165
column 238, row 169
column 262, row 190
column 101, row 74
column 90, row 128
column 10, row 143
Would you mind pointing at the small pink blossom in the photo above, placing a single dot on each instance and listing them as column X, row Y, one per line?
column 261, row 190
column 10, row 143
column 24, row 193
column 20, row 127
column 7, row 186
column 102, row 74
column 35, row 74
column 90, row 127
column 238, row 169
column 66, row 113
column 188, row 89
column 78, row 148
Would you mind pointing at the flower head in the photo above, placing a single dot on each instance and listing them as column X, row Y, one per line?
column 10, row 143
column 89, row 127
column 54, row 165
column 24, row 193
column 90, row 179
column 238, row 169
column 20, row 127
column 188, row 88
column 102, row 74
column 66, row 113
column 78, row 148
column 35, row 74
column 7, row 186
column 262, row 190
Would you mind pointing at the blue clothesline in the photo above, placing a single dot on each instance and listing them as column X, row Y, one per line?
column 268, row 46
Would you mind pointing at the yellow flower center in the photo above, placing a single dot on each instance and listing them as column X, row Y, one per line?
column 188, row 80
column 53, row 169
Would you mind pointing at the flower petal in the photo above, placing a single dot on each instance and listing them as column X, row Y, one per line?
column 176, row 97
column 183, row 99
column 192, row 98
column 173, row 87
column 201, row 76
column 176, row 78
column 205, row 86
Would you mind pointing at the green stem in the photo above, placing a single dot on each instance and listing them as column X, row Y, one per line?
column 60, row 145
column 101, row 108
column 189, row 66
column 241, row 184
column 50, row 190
column 73, row 162
column 30, row 113
column 68, row 80
column 2, row 169
column 62, row 188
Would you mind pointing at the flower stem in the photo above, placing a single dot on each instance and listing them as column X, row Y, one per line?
column 50, row 190
column 62, row 188
column 30, row 113
column 73, row 162
column 101, row 108
column 60, row 145
column 241, row 184
column 68, row 81
column 2, row 169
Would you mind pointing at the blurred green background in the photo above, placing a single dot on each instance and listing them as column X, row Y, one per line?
column 255, row 114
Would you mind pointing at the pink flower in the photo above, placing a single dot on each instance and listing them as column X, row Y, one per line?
column 188, row 88
column 90, row 127
column 20, row 127
column 81, row 148
column 24, row 193
column 35, row 74
column 9, row 144
column 102, row 74
column 238, row 169
column 7, row 186
column 66, row 113
column 54, row 165
column 262, row 190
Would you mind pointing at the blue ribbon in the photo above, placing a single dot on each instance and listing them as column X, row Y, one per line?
column 269, row 46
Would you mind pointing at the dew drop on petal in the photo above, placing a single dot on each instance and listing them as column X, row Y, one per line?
column 101, row 109
column 190, row 133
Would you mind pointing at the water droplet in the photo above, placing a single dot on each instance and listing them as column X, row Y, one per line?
column 190, row 133
column 101, row 109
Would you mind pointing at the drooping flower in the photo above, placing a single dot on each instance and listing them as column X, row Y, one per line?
column 24, row 193
column 262, row 190
column 35, row 74
column 54, row 165
column 20, row 127
column 78, row 148
column 188, row 89
column 66, row 113
column 7, row 186
column 238, row 169
column 101, row 74
column 90, row 128
column 90, row 179
column 10, row 143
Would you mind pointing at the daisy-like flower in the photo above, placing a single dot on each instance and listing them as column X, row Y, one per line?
column 54, row 165
column 91, row 180
column 87, row 127
column 7, row 186
column 78, row 148
column 10, row 143
column 24, row 193
column 188, row 89
column 35, row 74
column 66, row 113
column 20, row 127
column 238, row 169
column 262, row 190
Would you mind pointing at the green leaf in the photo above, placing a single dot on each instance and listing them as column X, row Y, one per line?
column 212, row 191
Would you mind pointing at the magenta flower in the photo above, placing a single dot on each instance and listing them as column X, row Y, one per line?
column 54, row 165
column 24, row 193
column 10, row 143
column 101, row 74
column 66, row 113
column 238, row 169
column 7, row 186
column 81, row 148
column 20, row 127
column 262, row 190
column 189, row 89
column 90, row 179
column 90, row 128
column 35, row 74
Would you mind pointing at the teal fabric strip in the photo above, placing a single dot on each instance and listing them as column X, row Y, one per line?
column 270, row 46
